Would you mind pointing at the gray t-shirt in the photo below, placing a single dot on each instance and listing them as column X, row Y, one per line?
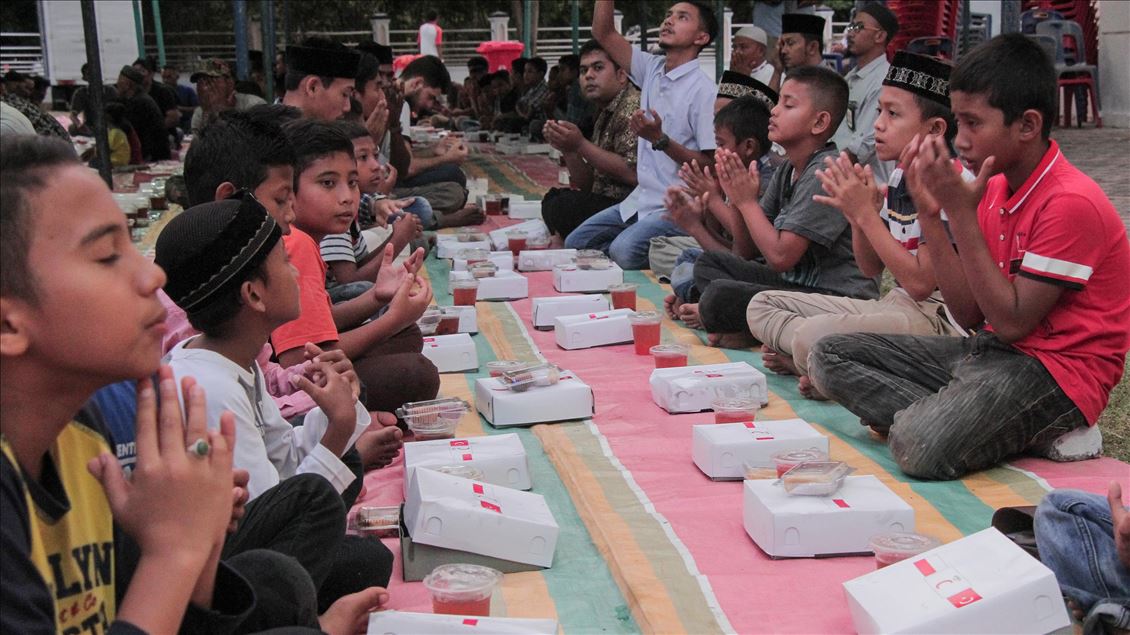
column 828, row 264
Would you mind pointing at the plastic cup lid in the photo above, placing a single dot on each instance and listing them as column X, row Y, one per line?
column 669, row 349
column 735, row 403
column 644, row 317
column 460, row 579
column 903, row 542
column 623, row 286
column 800, row 456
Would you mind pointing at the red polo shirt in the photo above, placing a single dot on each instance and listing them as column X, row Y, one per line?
column 1060, row 228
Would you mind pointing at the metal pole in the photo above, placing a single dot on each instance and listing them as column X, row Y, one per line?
column 966, row 24
column 242, row 62
column 267, row 8
column 139, row 27
column 576, row 27
column 527, row 27
column 1010, row 16
column 285, row 24
column 719, row 54
column 160, row 32
column 641, row 7
column 97, row 108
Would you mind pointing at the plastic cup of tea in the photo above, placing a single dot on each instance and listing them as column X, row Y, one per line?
column 496, row 368
column 464, row 291
column 462, row 589
column 504, row 203
column 896, row 546
column 493, row 205
column 786, row 461
column 516, row 239
column 735, row 409
column 670, row 355
column 537, row 242
column 448, row 321
column 645, row 330
column 623, row 295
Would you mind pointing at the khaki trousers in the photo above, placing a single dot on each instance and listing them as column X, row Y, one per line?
column 791, row 322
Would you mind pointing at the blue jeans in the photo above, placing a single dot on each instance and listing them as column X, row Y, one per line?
column 438, row 174
column 626, row 243
column 682, row 276
column 423, row 209
column 1075, row 535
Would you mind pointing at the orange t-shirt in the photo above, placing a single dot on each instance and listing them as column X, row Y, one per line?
column 315, row 323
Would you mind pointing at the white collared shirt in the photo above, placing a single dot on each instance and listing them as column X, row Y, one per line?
column 266, row 445
column 684, row 99
column 763, row 73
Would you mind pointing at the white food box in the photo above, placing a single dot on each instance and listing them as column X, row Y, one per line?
column 504, row 260
column 719, row 450
column 477, row 187
column 587, row 330
column 451, row 353
column 568, row 399
column 448, row 245
column 468, row 318
column 523, row 210
column 694, row 388
column 544, row 259
column 532, row 228
column 570, row 279
column 404, row 623
column 983, row 583
column 449, row 511
column 538, row 148
column 504, row 285
column 545, row 310
column 501, row 457
column 787, row 526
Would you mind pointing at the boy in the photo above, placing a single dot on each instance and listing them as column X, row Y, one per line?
column 54, row 509
column 806, row 246
column 385, row 351
column 699, row 207
column 913, row 102
column 602, row 172
column 674, row 127
column 347, row 254
column 1043, row 263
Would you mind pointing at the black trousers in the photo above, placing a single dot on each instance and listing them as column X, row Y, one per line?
column 563, row 209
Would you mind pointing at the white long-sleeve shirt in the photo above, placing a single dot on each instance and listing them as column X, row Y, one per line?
column 266, row 445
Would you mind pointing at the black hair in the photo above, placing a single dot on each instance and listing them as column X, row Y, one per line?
column 431, row 15
column 478, row 63
column 1014, row 73
column 486, row 79
column 116, row 116
column 215, row 317
column 592, row 46
column 931, row 109
column 570, row 61
column 356, row 111
column 829, row 91
column 518, row 65
column 431, row 70
column 27, row 164
column 707, row 19
column 313, row 140
column 539, row 64
column 352, row 129
column 148, row 62
column 238, row 148
column 746, row 118
column 368, row 68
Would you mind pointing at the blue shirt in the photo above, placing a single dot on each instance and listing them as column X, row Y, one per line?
column 684, row 100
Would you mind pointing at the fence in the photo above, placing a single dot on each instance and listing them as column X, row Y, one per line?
column 21, row 52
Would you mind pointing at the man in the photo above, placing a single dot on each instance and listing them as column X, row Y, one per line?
column 801, row 44
column 16, row 83
column 747, row 54
column 186, row 96
column 217, row 92
column 430, row 36
column 319, row 78
column 17, row 87
column 531, row 104
column 602, row 172
column 675, row 126
column 144, row 114
column 165, row 96
column 80, row 103
column 868, row 36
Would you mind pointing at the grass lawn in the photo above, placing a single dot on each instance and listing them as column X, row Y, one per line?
column 1115, row 421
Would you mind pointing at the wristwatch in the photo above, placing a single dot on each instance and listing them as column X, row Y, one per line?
column 661, row 143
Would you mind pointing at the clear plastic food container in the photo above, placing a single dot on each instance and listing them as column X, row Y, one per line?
column 465, row 471
column 434, row 419
column 429, row 320
column 498, row 367
column 895, row 546
column 789, row 459
column 591, row 259
column 483, row 269
column 473, row 255
column 526, row 377
column 382, row 521
column 816, row 479
column 468, row 235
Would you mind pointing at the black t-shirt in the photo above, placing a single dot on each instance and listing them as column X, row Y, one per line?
column 148, row 122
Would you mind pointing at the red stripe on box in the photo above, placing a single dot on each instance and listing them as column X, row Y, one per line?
column 461, row 443
column 478, row 489
column 491, row 506
column 964, row 598
column 467, row 456
column 840, row 502
column 924, row 567
column 749, row 424
column 470, row 621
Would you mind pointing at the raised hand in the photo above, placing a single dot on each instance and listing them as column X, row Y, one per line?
column 563, row 135
column 389, row 278
column 685, row 210
column 849, row 188
column 410, row 301
column 647, row 125
column 740, row 184
column 699, row 180
column 331, row 390
column 388, row 179
column 933, row 173
column 377, row 122
column 337, row 360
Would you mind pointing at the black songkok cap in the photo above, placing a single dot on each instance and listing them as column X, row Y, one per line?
column 333, row 60
column 380, row 51
column 803, row 23
column 205, row 249
column 884, row 16
column 735, row 85
column 921, row 75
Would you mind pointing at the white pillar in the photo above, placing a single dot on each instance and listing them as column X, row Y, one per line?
column 1114, row 74
column 499, row 26
column 827, row 14
column 618, row 21
column 727, row 35
column 380, row 25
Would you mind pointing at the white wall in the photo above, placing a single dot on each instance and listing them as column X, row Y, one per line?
column 1114, row 73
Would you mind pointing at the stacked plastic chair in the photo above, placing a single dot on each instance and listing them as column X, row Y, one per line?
column 1074, row 75
column 1084, row 12
column 925, row 19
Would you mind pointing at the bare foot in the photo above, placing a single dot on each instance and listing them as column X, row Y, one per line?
column 878, row 432
column 556, row 241
column 469, row 215
column 379, row 446
column 730, row 340
column 808, row 389
column 777, row 361
column 671, row 305
column 688, row 313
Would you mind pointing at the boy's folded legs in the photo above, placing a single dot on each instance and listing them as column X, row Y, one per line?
column 285, row 596
column 391, row 380
column 360, row 562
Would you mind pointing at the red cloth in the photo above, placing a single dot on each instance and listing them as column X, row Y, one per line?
column 315, row 323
